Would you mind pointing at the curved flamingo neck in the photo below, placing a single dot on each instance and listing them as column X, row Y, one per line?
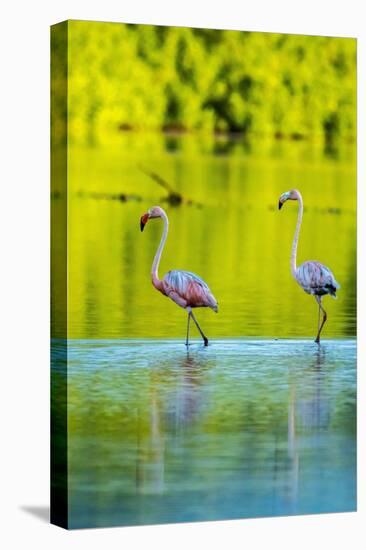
column 155, row 266
column 296, row 236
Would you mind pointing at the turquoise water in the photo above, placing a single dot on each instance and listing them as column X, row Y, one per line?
column 240, row 429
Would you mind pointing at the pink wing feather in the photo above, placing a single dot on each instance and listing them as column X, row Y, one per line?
column 187, row 289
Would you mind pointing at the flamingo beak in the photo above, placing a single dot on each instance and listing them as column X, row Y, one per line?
column 280, row 204
column 143, row 221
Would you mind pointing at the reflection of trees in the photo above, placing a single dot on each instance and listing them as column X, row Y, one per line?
column 240, row 435
column 230, row 429
column 121, row 288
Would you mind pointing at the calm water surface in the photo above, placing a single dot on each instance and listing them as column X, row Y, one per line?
column 243, row 428
column 250, row 426
column 237, row 240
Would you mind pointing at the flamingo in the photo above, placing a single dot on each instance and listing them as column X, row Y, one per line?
column 315, row 278
column 186, row 289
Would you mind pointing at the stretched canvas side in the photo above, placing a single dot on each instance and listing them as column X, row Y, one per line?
column 59, row 66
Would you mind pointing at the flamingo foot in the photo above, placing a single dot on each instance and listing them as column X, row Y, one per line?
column 317, row 340
column 205, row 341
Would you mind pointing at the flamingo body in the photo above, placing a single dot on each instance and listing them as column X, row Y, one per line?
column 316, row 279
column 188, row 290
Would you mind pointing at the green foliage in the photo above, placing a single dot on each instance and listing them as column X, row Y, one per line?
column 152, row 78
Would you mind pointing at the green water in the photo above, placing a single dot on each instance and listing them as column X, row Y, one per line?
column 237, row 240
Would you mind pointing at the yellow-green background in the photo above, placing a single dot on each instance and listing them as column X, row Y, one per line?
column 142, row 77
column 166, row 99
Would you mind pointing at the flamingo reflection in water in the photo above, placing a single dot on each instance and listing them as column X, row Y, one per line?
column 169, row 413
column 311, row 412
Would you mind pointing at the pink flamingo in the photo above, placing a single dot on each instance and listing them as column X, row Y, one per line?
column 183, row 287
column 315, row 278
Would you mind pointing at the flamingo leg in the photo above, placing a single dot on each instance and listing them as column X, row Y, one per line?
column 189, row 318
column 199, row 328
column 319, row 300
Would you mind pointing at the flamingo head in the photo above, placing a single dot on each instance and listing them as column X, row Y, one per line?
column 154, row 212
column 292, row 195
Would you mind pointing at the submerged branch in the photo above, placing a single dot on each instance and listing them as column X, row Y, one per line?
column 174, row 198
column 122, row 197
